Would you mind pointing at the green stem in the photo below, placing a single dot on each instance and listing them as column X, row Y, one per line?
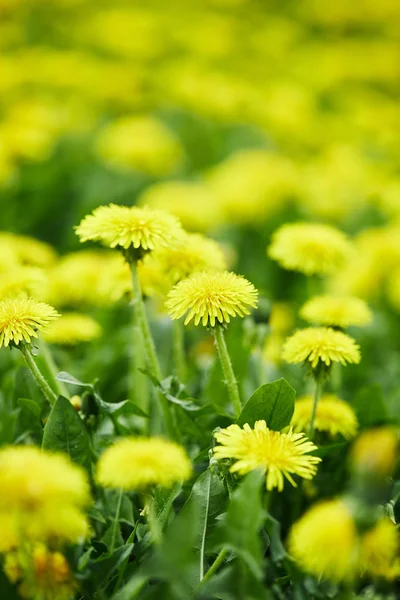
column 227, row 369
column 179, row 349
column 150, row 349
column 154, row 525
column 116, row 521
column 52, row 369
column 317, row 397
column 40, row 380
column 213, row 569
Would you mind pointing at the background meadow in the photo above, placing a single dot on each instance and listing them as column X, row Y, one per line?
column 238, row 117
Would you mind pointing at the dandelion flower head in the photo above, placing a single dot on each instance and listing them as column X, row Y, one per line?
column 211, row 297
column 324, row 541
column 320, row 345
column 127, row 227
column 337, row 311
column 310, row 248
column 376, row 451
column 31, row 281
column 28, row 250
column 21, row 318
column 136, row 463
column 279, row 455
column 71, row 329
column 333, row 416
column 379, row 550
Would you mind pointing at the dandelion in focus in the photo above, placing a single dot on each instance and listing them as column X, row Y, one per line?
column 279, row 455
column 333, row 416
column 72, row 329
column 336, row 311
column 312, row 249
column 324, row 542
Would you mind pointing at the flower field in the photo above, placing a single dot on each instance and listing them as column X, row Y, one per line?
column 199, row 300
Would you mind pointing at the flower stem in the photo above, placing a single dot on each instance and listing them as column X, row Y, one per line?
column 179, row 350
column 116, row 521
column 213, row 569
column 52, row 368
column 150, row 349
column 40, row 380
column 317, row 397
column 227, row 369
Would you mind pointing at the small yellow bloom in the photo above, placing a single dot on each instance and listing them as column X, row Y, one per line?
column 310, row 248
column 279, row 455
column 324, row 541
column 195, row 253
column 337, row 311
column 30, row 281
column 136, row 463
column 29, row 251
column 21, row 318
column 211, row 297
column 333, row 416
column 142, row 143
column 320, row 344
column 72, row 329
column 379, row 550
column 130, row 227
column 376, row 451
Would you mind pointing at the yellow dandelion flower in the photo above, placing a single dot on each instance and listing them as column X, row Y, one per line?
column 130, row 227
column 71, row 329
column 278, row 454
column 320, row 344
column 324, row 541
column 211, row 297
column 136, row 463
column 310, row 248
column 376, row 451
column 337, row 311
column 194, row 253
column 31, row 281
column 21, row 318
column 333, row 416
column 31, row 478
column 379, row 550
column 28, row 250
column 64, row 523
column 142, row 143
column 192, row 202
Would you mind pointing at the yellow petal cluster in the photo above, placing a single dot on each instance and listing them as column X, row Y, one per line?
column 125, row 227
column 311, row 248
column 42, row 496
column 380, row 550
column 21, row 318
column 336, row 311
column 279, row 455
column 71, row 329
column 137, row 463
column 376, row 451
column 334, row 416
column 211, row 297
column 31, row 281
column 320, row 345
column 28, row 250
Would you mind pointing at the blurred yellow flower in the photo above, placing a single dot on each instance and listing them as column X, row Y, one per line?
column 324, row 541
column 21, row 318
column 140, row 142
column 320, row 345
column 281, row 318
column 31, row 281
column 336, row 311
column 71, row 329
column 211, row 297
column 28, row 250
column 375, row 451
column 130, row 227
column 333, row 416
column 279, row 455
column 310, row 248
column 379, row 550
column 191, row 201
column 136, row 463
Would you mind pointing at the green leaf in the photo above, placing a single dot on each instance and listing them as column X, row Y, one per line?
column 68, row 378
column 30, row 405
column 272, row 402
column 240, row 526
column 65, row 432
column 273, row 528
column 369, row 406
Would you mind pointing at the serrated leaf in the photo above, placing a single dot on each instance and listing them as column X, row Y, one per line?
column 65, row 432
column 273, row 403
